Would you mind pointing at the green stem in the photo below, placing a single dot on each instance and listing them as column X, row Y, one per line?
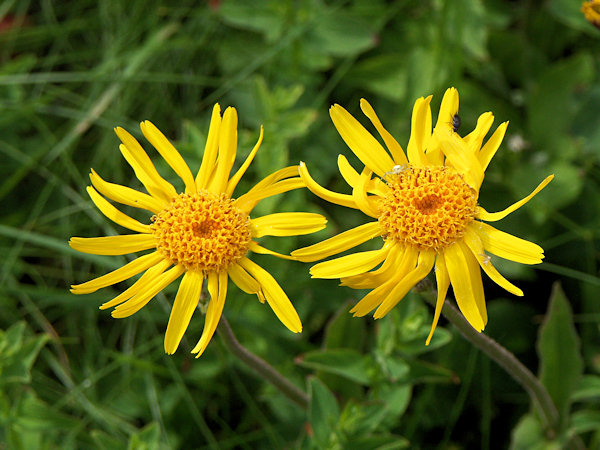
column 509, row 363
column 259, row 365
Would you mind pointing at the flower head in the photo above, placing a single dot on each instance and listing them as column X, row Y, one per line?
column 591, row 11
column 201, row 233
column 424, row 203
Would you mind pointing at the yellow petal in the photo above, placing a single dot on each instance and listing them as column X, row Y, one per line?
column 476, row 246
column 227, row 151
column 443, row 282
column 360, row 141
column 144, row 170
column 464, row 287
column 243, row 279
column 448, row 108
column 508, row 246
column 115, row 215
column 488, row 151
column 209, row 158
column 375, row 297
column 476, row 282
column 126, row 195
column 185, row 303
column 270, row 185
column 359, row 194
column 141, row 299
column 275, row 296
column 116, row 276
column 482, row 214
column 247, row 201
column 475, row 138
column 349, row 265
column 254, row 247
column 459, row 157
column 217, row 288
column 391, row 143
column 391, row 267
column 140, row 285
column 113, row 245
column 287, row 224
column 352, row 177
column 424, row 266
column 420, row 133
column 169, row 154
column 325, row 194
column 338, row 243
column 235, row 179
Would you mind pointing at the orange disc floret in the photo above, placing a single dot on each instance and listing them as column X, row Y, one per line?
column 202, row 231
column 426, row 207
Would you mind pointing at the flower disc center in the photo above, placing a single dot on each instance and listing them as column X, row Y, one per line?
column 427, row 207
column 202, row 231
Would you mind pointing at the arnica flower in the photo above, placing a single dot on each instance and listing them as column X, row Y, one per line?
column 591, row 11
column 425, row 208
column 200, row 233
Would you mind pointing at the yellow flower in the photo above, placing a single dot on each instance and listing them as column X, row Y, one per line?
column 200, row 233
column 426, row 211
column 591, row 11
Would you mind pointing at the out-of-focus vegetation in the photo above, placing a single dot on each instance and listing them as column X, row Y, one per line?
column 73, row 377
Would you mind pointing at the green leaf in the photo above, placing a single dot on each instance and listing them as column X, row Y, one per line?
column 345, row 331
column 528, row 435
column 148, row 438
column 584, row 421
column 345, row 362
column 587, row 388
column 323, row 412
column 561, row 364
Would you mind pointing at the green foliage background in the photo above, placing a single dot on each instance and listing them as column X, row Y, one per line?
column 73, row 377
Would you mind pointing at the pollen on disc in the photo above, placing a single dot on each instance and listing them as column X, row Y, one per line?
column 426, row 207
column 202, row 231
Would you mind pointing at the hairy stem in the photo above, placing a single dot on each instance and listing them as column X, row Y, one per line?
column 264, row 369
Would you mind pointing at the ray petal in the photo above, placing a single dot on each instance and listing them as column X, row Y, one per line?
column 248, row 201
column 185, row 303
column 443, row 282
column 359, row 194
column 209, row 158
column 115, row 215
column 338, row 243
column 349, row 265
column 420, row 132
column 476, row 246
column 424, row 266
column 360, row 141
column 464, row 288
column 287, row 224
column 235, row 179
column 488, row 151
column 243, row 279
column 217, row 288
column 228, row 136
column 325, row 194
column 169, row 154
column 391, row 143
column 126, row 195
column 116, row 276
column 113, row 245
column 256, row 248
column 141, row 284
column 482, row 214
column 475, row 138
column 141, row 299
column 137, row 158
column 508, row 246
column 275, row 296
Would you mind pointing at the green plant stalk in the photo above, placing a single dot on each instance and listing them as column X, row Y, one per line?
column 508, row 362
column 260, row 366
